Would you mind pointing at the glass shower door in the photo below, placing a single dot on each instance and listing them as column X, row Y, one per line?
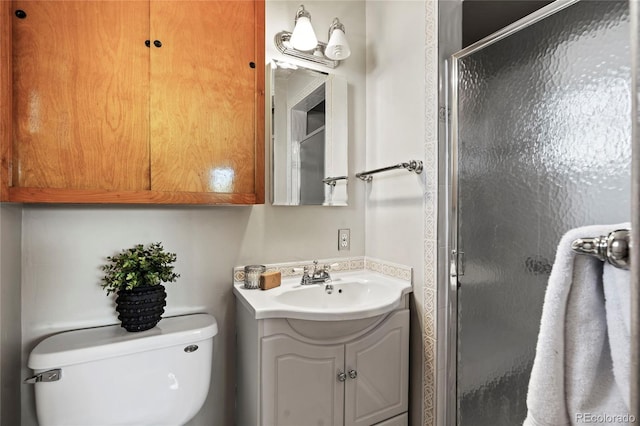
column 541, row 144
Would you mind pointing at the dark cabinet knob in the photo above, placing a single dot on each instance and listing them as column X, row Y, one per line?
column 147, row 43
column 157, row 43
column 21, row 14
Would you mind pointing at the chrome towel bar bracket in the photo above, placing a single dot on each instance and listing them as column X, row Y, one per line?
column 613, row 248
column 412, row 166
column 331, row 181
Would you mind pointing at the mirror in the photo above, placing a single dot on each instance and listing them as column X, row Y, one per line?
column 308, row 136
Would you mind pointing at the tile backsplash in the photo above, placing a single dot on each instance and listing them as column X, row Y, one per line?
column 294, row 269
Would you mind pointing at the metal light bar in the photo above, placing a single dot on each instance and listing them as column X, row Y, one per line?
column 285, row 36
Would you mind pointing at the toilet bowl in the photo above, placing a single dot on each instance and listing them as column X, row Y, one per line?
column 107, row 376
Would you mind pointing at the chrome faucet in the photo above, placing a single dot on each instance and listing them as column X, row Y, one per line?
column 318, row 276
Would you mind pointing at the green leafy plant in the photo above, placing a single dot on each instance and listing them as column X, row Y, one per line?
column 138, row 266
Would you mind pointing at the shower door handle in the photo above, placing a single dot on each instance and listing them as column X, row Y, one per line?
column 457, row 263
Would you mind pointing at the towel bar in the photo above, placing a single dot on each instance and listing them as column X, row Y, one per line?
column 613, row 248
column 412, row 166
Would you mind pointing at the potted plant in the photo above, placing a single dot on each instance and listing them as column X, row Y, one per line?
column 136, row 275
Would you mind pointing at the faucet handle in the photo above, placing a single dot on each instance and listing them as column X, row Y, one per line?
column 328, row 267
column 305, row 274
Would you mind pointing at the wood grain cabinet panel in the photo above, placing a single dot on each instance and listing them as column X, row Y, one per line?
column 202, row 97
column 81, row 110
column 98, row 116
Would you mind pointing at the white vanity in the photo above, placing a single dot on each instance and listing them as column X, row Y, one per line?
column 308, row 356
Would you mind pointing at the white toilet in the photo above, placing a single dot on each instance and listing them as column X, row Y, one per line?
column 108, row 376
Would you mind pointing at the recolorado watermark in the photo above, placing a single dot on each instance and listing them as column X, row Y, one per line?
column 604, row 418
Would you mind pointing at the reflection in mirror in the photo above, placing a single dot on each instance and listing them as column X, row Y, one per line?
column 308, row 136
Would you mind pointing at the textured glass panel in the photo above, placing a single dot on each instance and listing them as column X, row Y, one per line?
column 544, row 146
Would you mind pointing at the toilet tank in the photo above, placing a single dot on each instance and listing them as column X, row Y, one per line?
column 109, row 376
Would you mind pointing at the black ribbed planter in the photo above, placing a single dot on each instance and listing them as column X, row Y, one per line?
column 141, row 308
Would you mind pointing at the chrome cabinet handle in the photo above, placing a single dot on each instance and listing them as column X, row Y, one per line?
column 342, row 377
column 353, row 374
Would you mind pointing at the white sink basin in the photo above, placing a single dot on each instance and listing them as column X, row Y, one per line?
column 355, row 295
column 345, row 295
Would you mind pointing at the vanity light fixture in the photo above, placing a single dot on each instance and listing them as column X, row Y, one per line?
column 302, row 43
column 303, row 36
column 338, row 47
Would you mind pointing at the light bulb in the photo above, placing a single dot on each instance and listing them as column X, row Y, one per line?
column 338, row 47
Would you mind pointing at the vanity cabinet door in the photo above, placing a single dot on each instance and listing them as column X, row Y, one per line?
column 380, row 363
column 300, row 383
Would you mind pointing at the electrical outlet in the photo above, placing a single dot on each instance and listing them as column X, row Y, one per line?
column 344, row 239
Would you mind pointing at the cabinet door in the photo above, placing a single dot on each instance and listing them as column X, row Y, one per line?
column 300, row 384
column 80, row 95
column 381, row 362
column 203, row 96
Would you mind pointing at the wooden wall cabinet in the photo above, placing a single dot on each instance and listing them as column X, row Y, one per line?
column 132, row 102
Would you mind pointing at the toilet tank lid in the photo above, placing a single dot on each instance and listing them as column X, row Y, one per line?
column 92, row 344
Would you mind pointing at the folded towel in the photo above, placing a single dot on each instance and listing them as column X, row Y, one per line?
column 573, row 378
column 617, row 294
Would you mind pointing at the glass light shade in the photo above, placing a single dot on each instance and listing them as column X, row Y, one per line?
column 338, row 47
column 303, row 36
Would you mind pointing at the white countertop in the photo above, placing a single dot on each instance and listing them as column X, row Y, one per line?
column 356, row 294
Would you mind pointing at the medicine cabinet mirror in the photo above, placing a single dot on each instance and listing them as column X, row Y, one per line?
column 308, row 120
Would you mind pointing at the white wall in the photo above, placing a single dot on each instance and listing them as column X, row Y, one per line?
column 10, row 338
column 395, row 125
column 63, row 246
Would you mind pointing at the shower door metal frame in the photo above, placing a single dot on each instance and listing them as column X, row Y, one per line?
column 634, row 11
column 449, row 282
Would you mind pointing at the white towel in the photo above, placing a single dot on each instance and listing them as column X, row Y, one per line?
column 574, row 379
column 617, row 293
